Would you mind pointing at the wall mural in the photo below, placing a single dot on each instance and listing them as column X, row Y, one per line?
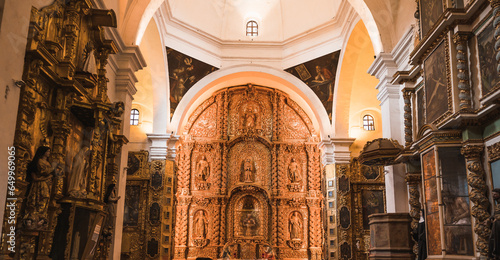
column 436, row 92
column 489, row 76
column 184, row 72
column 430, row 10
column 319, row 74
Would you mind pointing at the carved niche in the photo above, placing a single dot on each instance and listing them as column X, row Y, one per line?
column 248, row 179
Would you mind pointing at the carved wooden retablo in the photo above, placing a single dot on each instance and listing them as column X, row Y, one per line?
column 249, row 179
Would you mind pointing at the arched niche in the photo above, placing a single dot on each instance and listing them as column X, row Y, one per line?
column 248, row 215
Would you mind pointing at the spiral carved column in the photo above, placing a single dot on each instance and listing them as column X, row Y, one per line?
column 461, row 39
column 183, row 200
column 407, row 117
column 414, row 180
column 477, row 195
column 495, row 4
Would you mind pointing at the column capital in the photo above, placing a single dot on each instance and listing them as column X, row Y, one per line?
column 413, row 178
column 162, row 146
column 337, row 150
column 472, row 151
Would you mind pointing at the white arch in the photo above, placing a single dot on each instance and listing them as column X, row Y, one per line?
column 366, row 15
column 259, row 75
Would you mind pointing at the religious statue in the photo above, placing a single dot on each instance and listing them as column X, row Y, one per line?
column 200, row 225
column 88, row 63
column 249, row 223
column 111, row 199
column 203, row 169
column 249, row 116
column 39, row 174
column 295, row 226
column 248, row 170
column 294, row 171
column 77, row 185
column 494, row 221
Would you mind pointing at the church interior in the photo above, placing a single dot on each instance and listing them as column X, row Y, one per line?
column 236, row 129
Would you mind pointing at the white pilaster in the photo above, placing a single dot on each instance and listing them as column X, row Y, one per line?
column 391, row 102
column 124, row 64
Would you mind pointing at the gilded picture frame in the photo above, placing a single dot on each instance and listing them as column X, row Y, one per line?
column 438, row 101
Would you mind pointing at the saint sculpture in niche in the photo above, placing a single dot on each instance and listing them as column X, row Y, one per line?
column 202, row 172
column 249, row 117
column 294, row 171
column 295, row 226
column 203, row 169
column 39, row 173
column 77, row 185
column 248, row 170
column 200, row 225
column 249, row 224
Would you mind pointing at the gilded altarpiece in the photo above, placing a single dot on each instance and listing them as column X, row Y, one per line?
column 248, row 182
column 147, row 214
column 67, row 138
column 360, row 193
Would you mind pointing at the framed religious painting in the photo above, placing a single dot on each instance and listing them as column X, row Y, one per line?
column 372, row 202
column 430, row 11
column 437, row 96
column 132, row 206
column 490, row 80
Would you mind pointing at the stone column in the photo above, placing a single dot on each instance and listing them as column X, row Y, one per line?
column 460, row 39
column 477, row 194
column 414, row 181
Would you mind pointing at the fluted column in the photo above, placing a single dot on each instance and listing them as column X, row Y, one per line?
column 460, row 39
column 407, row 117
column 495, row 4
column 477, row 195
column 414, row 180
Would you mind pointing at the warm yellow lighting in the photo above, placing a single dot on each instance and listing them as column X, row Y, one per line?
column 355, row 132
